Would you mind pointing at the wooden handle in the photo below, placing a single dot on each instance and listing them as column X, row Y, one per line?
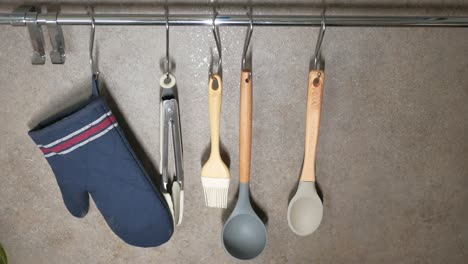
column 215, row 97
column 245, row 128
column 314, row 108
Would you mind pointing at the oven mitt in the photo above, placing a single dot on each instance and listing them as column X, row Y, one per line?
column 89, row 154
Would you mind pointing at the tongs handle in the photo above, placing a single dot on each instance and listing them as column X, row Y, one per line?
column 178, row 183
column 164, row 146
column 171, row 120
column 177, row 141
column 167, row 93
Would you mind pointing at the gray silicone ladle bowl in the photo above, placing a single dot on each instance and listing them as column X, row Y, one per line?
column 244, row 234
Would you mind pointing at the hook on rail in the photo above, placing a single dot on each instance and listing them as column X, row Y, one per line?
column 168, row 62
column 245, row 61
column 94, row 68
column 219, row 62
column 318, row 46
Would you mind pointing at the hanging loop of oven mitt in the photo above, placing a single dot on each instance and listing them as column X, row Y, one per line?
column 89, row 154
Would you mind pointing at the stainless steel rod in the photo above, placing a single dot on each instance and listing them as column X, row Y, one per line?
column 18, row 19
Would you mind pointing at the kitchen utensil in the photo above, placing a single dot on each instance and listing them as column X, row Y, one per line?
column 172, row 185
column 305, row 210
column 244, row 234
column 170, row 121
column 215, row 174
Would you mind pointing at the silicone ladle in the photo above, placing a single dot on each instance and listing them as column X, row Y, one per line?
column 244, row 234
column 305, row 210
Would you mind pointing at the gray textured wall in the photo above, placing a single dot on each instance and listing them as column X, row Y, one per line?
column 393, row 149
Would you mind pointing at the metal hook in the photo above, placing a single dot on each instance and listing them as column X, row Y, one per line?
column 247, row 39
column 94, row 70
column 167, row 43
column 318, row 46
column 218, row 41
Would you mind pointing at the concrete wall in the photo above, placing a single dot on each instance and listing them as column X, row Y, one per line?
column 393, row 149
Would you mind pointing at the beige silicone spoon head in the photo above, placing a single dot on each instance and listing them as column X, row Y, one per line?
column 305, row 210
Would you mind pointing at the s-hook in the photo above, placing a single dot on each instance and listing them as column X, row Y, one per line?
column 318, row 46
column 168, row 63
column 219, row 62
column 94, row 68
column 245, row 62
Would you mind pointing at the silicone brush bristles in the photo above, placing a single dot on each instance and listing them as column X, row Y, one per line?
column 216, row 191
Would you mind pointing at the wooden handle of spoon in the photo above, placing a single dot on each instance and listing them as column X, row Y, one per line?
column 314, row 108
column 245, row 128
column 214, row 101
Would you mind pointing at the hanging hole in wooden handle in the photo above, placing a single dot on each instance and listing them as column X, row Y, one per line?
column 247, row 80
column 215, row 84
column 316, row 82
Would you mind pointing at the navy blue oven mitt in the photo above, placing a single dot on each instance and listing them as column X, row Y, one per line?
column 89, row 154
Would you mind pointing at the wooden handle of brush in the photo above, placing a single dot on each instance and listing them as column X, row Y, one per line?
column 215, row 97
column 314, row 108
column 245, row 128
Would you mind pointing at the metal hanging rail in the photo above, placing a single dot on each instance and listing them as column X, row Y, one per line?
column 20, row 19
column 33, row 19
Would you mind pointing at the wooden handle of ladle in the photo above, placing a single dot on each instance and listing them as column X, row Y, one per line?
column 314, row 108
column 215, row 98
column 245, row 126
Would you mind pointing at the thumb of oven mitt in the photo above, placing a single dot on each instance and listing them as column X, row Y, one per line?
column 89, row 154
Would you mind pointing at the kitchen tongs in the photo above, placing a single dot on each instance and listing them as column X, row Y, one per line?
column 172, row 185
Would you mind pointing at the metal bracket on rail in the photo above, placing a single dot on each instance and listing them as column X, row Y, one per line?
column 36, row 36
column 28, row 16
column 57, row 54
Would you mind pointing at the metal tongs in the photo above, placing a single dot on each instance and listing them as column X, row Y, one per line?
column 172, row 185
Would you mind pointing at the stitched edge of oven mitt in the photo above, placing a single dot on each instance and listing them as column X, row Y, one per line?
column 89, row 153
